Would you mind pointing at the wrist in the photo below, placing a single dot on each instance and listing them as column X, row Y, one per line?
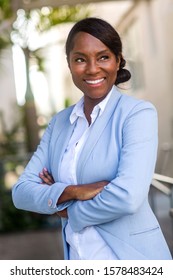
column 71, row 192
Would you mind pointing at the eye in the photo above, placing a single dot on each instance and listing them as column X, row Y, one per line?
column 79, row 60
column 104, row 57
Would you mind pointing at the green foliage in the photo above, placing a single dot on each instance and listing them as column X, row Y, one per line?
column 5, row 9
column 5, row 14
column 67, row 102
column 4, row 43
column 13, row 219
column 49, row 17
column 9, row 141
column 39, row 59
column 7, row 145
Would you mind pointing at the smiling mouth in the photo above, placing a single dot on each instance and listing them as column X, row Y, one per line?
column 94, row 82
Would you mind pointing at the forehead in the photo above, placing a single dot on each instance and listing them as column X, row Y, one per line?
column 84, row 42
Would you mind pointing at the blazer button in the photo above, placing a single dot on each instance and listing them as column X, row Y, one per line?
column 50, row 202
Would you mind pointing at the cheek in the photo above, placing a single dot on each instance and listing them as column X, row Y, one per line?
column 76, row 71
column 112, row 69
column 76, row 79
column 75, row 75
column 73, row 72
column 113, row 74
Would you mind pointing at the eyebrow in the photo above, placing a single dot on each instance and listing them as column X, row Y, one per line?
column 99, row 53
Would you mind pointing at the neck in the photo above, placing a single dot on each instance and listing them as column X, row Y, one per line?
column 87, row 112
column 89, row 105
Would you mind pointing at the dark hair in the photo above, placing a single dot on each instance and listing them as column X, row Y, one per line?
column 103, row 31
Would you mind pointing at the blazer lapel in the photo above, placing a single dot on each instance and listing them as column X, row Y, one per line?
column 96, row 131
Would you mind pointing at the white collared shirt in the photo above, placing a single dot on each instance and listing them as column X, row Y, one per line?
column 86, row 244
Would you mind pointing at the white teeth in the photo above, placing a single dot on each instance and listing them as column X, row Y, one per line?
column 94, row 82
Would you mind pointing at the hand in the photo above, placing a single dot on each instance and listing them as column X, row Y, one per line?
column 89, row 191
column 62, row 213
column 81, row 192
column 46, row 177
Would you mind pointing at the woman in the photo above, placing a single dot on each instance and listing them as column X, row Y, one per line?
column 97, row 158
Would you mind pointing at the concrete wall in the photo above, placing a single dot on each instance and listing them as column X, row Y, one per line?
column 147, row 34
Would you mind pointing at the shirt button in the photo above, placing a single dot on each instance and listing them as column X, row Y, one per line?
column 50, row 202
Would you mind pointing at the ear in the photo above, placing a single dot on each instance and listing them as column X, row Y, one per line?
column 118, row 59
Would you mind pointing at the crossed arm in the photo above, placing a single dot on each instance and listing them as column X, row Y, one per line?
column 73, row 192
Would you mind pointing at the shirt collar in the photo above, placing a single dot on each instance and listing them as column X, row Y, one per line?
column 78, row 108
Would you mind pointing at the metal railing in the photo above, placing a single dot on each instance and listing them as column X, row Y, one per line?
column 165, row 185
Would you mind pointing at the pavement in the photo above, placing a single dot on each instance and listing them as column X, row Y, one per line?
column 34, row 245
column 161, row 209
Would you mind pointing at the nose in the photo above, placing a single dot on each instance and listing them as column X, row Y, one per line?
column 92, row 67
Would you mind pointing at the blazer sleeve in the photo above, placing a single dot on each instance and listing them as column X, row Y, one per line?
column 127, row 191
column 29, row 193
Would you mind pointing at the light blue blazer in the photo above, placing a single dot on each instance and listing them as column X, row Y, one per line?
column 122, row 148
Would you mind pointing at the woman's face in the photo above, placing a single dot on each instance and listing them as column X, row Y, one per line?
column 93, row 66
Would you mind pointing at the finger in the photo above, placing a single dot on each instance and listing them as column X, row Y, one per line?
column 48, row 175
column 45, row 179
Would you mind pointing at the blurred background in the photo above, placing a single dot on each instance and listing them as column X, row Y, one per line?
column 35, row 84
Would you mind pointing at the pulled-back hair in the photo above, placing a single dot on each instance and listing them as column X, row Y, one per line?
column 103, row 31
